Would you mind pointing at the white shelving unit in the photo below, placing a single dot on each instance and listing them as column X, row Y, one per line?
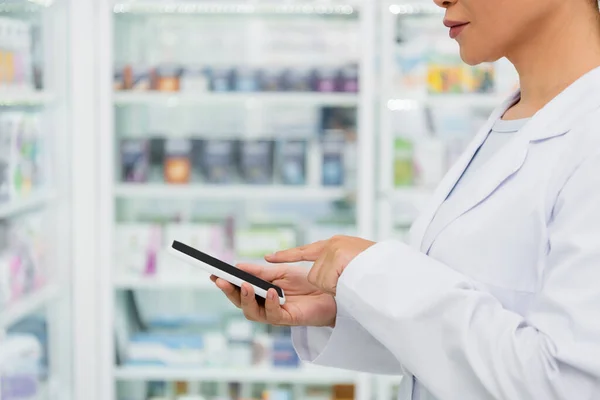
column 114, row 195
column 123, row 98
column 50, row 23
column 149, row 7
column 199, row 282
column 310, row 376
column 33, row 201
column 13, row 98
column 28, row 305
column 228, row 192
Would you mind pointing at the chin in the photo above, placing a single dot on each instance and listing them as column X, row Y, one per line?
column 472, row 57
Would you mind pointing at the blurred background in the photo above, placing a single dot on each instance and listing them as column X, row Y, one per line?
column 238, row 127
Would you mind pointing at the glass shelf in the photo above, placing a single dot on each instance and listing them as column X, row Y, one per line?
column 149, row 7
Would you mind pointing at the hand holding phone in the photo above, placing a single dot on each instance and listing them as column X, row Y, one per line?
column 224, row 270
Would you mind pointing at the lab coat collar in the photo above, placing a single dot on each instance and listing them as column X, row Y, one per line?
column 555, row 119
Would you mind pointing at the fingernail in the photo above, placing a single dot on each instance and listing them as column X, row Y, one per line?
column 271, row 295
column 244, row 291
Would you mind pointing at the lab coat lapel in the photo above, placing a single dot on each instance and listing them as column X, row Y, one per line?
column 419, row 227
column 555, row 119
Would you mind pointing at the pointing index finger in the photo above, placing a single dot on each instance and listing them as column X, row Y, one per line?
column 310, row 252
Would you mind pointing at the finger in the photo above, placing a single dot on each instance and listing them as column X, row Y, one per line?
column 213, row 278
column 232, row 293
column 273, row 310
column 268, row 274
column 309, row 252
column 252, row 310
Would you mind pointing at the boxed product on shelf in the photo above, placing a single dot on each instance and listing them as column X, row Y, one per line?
column 136, row 248
column 335, row 120
column 208, row 237
column 270, row 79
column 16, row 69
column 254, row 243
column 221, row 79
column 21, row 154
column 297, row 79
column 178, row 160
column 256, row 161
column 35, row 326
column 138, row 78
column 291, row 157
column 20, row 373
column 168, row 78
column 326, row 79
column 240, row 336
column 404, row 168
column 347, row 80
column 23, row 258
column 245, row 79
column 165, row 350
column 283, row 353
column 333, row 161
column 194, row 79
column 217, row 160
column 135, row 160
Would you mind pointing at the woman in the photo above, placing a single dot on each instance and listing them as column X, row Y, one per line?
column 498, row 296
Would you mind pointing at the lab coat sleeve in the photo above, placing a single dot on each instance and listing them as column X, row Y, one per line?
column 461, row 343
column 347, row 346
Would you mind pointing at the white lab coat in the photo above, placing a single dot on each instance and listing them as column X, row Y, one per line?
column 504, row 303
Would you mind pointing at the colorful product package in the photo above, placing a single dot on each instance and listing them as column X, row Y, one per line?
column 403, row 162
column 347, row 80
column 325, row 79
column 168, row 78
column 136, row 248
column 137, row 78
column 480, row 79
column 284, row 354
column 135, row 160
column 178, row 162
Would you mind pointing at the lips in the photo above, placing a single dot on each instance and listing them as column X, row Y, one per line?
column 456, row 27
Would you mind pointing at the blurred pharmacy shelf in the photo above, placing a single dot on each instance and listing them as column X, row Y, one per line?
column 198, row 282
column 29, row 304
column 183, row 99
column 415, row 8
column 412, row 195
column 31, row 202
column 24, row 6
column 199, row 7
column 19, row 98
column 221, row 192
column 478, row 101
column 310, row 375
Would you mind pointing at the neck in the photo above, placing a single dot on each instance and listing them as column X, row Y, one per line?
column 555, row 57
